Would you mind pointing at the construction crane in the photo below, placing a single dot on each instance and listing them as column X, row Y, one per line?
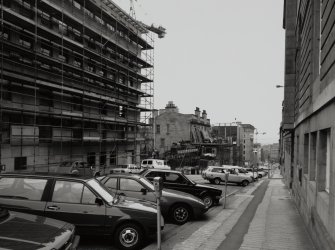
column 160, row 31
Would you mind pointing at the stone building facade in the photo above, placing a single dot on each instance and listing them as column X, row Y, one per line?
column 172, row 127
column 307, row 130
column 240, row 138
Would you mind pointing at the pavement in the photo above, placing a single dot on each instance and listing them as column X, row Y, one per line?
column 262, row 216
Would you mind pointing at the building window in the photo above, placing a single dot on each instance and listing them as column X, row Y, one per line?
column 77, row 5
column 112, row 158
column 77, row 104
column 62, row 58
column 91, row 159
column 158, row 129
column 312, row 157
column 306, row 153
column 297, row 151
column 45, row 133
column 77, row 63
column 102, row 158
column 122, row 111
column 77, row 133
column 167, row 128
column 20, row 163
column 25, row 43
column 323, row 160
column 162, row 142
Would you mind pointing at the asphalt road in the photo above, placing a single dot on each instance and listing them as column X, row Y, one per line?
column 104, row 243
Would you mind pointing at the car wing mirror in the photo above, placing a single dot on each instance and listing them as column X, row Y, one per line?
column 144, row 191
column 99, row 201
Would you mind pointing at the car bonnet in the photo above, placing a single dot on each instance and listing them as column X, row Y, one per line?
column 134, row 203
column 208, row 187
column 179, row 194
column 26, row 231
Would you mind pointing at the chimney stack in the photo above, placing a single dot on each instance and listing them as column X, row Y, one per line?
column 197, row 112
column 204, row 115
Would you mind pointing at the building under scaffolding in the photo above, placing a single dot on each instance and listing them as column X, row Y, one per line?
column 76, row 83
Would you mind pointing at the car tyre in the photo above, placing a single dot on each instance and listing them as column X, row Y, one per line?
column 245, row 183
column 180, row 214
column 129, row 236
column 208, row 200
column 217, row 181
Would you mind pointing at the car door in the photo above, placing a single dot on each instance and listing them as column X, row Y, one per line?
column 74, row 202
column 23, row 194
column 233, row 176
column 133, row 188
column 177, row 181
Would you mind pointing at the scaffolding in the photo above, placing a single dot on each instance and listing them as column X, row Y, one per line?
column 76, row 83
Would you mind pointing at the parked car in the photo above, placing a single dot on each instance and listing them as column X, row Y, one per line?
column 154, row 163
column 85, row 203
column 78, row 168
column 260, row 173
column 176, row 180
column 128, row 168
column 178, row 206
column 217, row 174
column 241, row 170
column 26, row 231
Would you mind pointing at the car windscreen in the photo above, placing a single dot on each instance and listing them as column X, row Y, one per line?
column 100, row 189
column 188, row 179
column 147, row 183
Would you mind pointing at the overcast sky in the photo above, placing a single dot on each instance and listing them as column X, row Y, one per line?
column 223, row 56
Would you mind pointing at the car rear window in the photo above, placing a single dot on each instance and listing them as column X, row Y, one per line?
column 22, row 188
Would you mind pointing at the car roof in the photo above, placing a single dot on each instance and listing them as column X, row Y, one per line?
column 47, row 175
column 160, row 170
column 135, row 176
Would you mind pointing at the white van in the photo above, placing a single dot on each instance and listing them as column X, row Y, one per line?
column 154, row 163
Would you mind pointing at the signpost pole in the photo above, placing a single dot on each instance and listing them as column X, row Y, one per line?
column 225, row 191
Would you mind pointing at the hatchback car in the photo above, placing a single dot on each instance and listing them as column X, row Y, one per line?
column 26, row 231
column 217, row 174
column 176, row 180
column 178, row 206
column 85, row 203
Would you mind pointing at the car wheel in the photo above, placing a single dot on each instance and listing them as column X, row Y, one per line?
column 208, row 200
column 245, row 183
column 180, row 214
column 128, row 236
column 217, row 181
